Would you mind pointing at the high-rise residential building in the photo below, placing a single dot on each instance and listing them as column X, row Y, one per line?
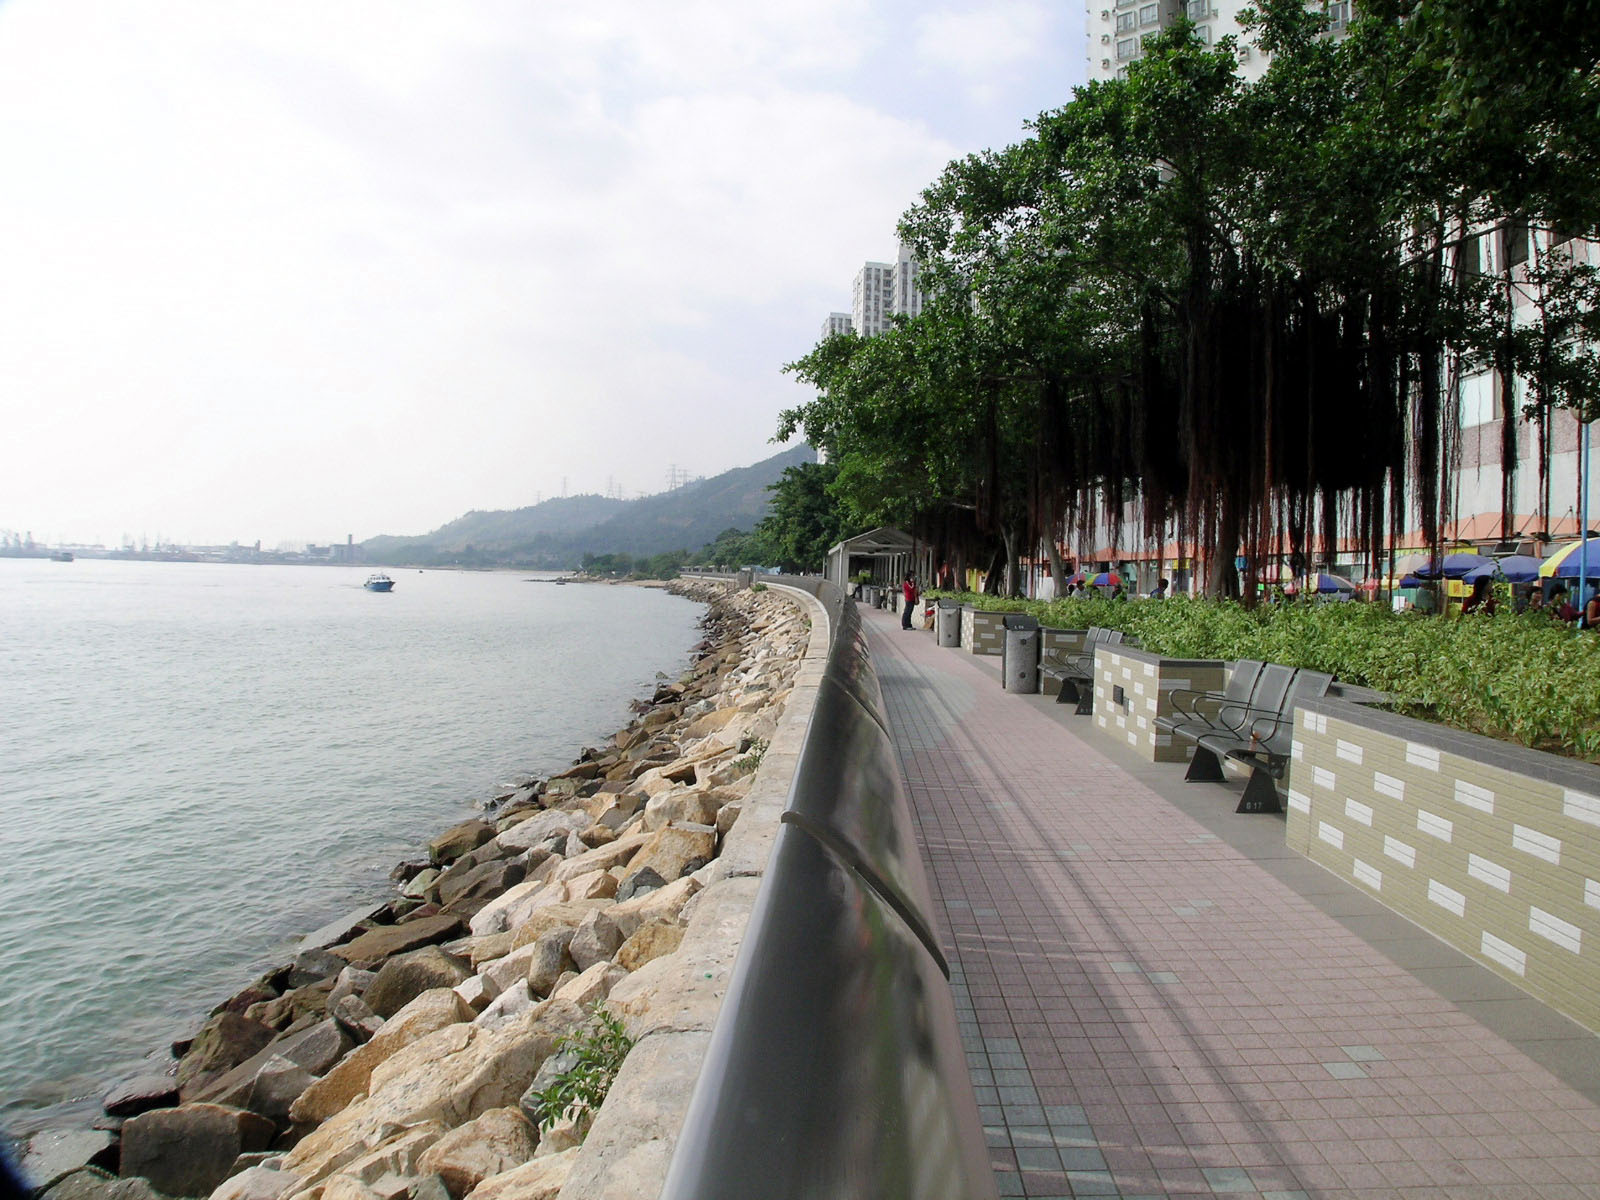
column 905, row 298
column 1118, row 30
column 836, row 322
column 870, row 298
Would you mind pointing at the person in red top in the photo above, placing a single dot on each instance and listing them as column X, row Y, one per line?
column 1561, row 606
column 908, row 591
column 1482, row 598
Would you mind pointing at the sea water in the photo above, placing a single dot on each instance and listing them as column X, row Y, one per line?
column 201, row 762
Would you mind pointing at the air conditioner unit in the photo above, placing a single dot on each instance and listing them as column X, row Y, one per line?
column 1244, row 53
column 1105, row 64
column 1105, row 14
column 1105, row 39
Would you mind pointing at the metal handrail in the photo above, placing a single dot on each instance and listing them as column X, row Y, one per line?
column 835, row 1068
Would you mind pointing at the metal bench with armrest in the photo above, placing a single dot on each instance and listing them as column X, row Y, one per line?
column 1077, row 674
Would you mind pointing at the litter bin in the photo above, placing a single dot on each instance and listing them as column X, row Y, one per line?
column 745, row 578
column 1019, row 653
column 947, row 623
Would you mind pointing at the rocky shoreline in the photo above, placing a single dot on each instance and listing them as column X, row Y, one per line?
column 426, row 1050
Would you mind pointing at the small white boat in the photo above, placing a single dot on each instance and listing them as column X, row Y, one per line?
column 379, row 583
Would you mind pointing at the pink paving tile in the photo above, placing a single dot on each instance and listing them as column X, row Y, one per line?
column 1194, row 1040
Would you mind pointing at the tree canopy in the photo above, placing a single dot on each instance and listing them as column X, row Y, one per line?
column 1244, row 306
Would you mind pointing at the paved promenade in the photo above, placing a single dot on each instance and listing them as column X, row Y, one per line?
column 1158, row 998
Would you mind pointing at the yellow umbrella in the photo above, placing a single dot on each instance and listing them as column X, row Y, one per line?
column 1565, row 560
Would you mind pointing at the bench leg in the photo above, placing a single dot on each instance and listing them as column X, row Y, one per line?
column 1085, row 701
column 1204, row 767
column 1068, row 693
column 1260, row 794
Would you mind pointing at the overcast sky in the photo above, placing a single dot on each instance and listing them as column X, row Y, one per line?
column 291, row 270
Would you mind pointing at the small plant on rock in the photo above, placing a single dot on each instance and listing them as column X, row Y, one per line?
column 752, row 759
column 598, row 1048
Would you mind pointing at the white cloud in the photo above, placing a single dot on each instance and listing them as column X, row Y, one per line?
column 982, row 43
column 300, row 269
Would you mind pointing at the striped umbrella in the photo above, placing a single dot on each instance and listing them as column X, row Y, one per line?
column 1563, row 564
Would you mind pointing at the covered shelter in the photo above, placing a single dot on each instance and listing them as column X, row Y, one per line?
column 887, row 554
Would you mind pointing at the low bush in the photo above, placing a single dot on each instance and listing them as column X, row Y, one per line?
column 1520, row 677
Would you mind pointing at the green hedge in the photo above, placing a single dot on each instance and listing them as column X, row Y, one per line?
column 1519, row 677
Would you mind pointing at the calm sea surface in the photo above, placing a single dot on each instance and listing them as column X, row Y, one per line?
column 199, row 763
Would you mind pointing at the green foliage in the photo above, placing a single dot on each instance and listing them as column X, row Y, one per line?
column 623, row 566
column 1520, row 677
column 752, row 758
column 598, row 1048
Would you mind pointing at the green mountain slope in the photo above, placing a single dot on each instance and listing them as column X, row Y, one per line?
column 558, row 533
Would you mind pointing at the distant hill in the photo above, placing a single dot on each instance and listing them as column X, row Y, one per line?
column 558, row 533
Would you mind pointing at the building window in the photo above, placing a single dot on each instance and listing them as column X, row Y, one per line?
column 1516, row 245
column 1480, row 399
column 1126, row 49
column 1338, row 14
column 1199, row 10
column 1150, row 14
column 1203, row 32
column 1126, row 21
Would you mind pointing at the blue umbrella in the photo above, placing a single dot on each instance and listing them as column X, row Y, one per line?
column 1513, row 568
column 1324, row 582
column 1409, row 581
column 1563, row 564
column 1455, row 566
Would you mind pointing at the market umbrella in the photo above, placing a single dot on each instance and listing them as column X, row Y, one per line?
column 1407, row 563
column 1409, row 581
column 1323, row 582
column 1076, row 577
column 1454, row 566
column 1106, row 579
column 1563, row 564
column 1513, row 568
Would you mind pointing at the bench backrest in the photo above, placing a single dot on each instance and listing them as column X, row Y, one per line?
column 1272, row 688
column 1308, row 685
column 1241, row 686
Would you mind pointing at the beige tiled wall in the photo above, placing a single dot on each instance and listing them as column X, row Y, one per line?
column 1493, row 848
column 982, row 632
column 1147, row 683
column 1057, row 647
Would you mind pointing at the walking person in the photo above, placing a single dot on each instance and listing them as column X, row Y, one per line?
column 908, row 592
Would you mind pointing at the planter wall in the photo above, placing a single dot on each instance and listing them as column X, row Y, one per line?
column 1133, row 687
column 1491, row 847
column 982, row 631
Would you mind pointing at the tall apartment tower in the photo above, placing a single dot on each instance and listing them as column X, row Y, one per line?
column 870, row 297
column 905, row 298
column 1118, row 30
column 836, row 322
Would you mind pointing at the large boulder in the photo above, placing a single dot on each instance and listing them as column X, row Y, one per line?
column 428, row 1012
column 516, row 906
column 388, row 940
column 225, row 1041
column 458, row 840
column 480, row 884
column 652, row 940
column 257, row 1183
column 449, row 1076
column 406, row 976
column 535, row 830
column 548, row 960
column 314, row 1050
column 53, row 1154
column 567, row 915
column 134, row 1096
column 189, row 1150
column 665, row 903
column 595, row 940
column 541, row 1179
column 90, row 1183
column 602, row 858
column 676, row 851
column 487, row 1145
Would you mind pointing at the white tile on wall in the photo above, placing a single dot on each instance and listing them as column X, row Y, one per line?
column 1488, row 871
column 1581, row 807
column 1356, row 811
column 1434, row 825
column 1540, row 845
column 1388, row 785
column 1447, row 897
column 1504, row 953
column 1422, row 756
column 1331, row 834
column 1400, row 851
column 1473, row 796
column 1563, row 933
column 1367, row 874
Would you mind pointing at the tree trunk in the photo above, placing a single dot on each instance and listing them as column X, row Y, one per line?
column 1058, row 569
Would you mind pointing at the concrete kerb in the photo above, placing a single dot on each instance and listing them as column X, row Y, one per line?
column 627, row 1151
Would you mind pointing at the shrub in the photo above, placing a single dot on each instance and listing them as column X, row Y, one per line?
column 1520, row 677
column 599, row 1047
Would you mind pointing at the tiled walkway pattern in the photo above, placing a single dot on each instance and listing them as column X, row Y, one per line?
column 1149, row 1013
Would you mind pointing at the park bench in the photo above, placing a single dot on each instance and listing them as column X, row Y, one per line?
column 1258, row 733
column 1077, row 673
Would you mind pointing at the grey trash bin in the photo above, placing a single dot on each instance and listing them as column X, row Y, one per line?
column 947, row 624
column 1019, row 654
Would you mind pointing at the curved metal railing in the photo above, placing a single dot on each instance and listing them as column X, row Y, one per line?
column 835, row 1068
